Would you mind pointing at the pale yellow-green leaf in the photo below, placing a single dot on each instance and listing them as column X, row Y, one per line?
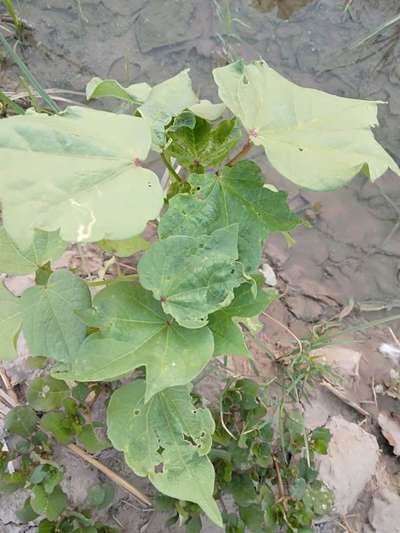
column 317, row 140
column 10, row 323
column 207, row 110
column 166, row 100
column 134, row 94
column 45, row 247
column 78, row 172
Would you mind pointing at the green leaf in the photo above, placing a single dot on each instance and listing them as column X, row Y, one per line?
column 315, row 139
column 126, row 247
column 320, row 439
column 243, row 490
column 236, row 194
column 253, row 517
column 203, row 145
column 193, row 276
column 134, row 331
column 48, row 505
column 37, row 362
column 45, row 394
column 166, row 439
column 91, row 441
column 47, row 527
column 166, row 100
column 16, row 261
column 60, row 426
column 10, row 323
column 193, row 525
column 78, row 172
column 50, row 323
column 228, row 336
column 100, row 496
column 134, row 94
column 21, row 421
column 298, row 488
column 47, row 475
column 26, row 514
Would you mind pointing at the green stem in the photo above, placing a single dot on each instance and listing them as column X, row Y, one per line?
column 99, row 282
column 244, row 151
column 174, row 175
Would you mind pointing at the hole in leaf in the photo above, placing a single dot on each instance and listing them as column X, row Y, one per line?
column 189, row 439
column 160, row 450
column 198, row 188
column 136, row 412
column 202, row 434
column 301, row 149
column 159, row 469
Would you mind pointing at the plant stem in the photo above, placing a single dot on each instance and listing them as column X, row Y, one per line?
column 110, row 474
column 174, row 175
column 245, row 149
column 100, row 282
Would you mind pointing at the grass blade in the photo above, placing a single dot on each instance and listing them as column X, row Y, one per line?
column 26, row 73
column 6, row 101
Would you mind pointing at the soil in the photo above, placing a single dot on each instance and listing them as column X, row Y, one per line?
column 344, row 265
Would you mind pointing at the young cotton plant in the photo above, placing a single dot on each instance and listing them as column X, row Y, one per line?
column 81, row 177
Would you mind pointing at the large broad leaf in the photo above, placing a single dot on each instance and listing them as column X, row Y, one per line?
column 315, row 139
column 134, row 332
column 10, row 323
column 228, row 336
column 166, row 439
column 51, row 325
column 237, row 194
column 193, row 276
column 78, row 172
column 197, row 144
column 134, row 94
column 45, row 247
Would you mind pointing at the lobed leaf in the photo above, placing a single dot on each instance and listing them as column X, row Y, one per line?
column 201, row 145
column 228, row 336
column 50, row 324
column 193, row 276
column 317, row 140
column 46, row 246
column 10, row 323
column 134, row 332
column 238, row 195
column 166, row 439
column 84, row 176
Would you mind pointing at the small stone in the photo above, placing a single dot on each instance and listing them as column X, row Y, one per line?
column 350, row 464
column 390, row 428
column 384, row 515
column 343, row 360
column 269, row 275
